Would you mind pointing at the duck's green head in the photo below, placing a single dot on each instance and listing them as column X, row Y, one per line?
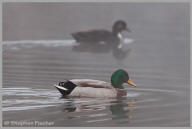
column 119, row 77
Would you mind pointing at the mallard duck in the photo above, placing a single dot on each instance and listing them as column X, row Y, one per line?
column 96, row 88
column 102, row 35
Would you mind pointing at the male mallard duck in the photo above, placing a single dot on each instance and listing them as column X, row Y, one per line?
column 95, row 88
column 102, row 35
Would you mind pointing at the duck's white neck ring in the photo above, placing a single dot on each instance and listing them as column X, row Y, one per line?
column 119, row 35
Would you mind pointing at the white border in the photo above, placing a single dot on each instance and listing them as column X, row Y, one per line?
column 135, row 1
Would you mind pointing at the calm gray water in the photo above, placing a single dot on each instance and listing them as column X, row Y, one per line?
column 38, row 55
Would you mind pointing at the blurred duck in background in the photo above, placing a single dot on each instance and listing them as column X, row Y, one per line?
column 102, row 36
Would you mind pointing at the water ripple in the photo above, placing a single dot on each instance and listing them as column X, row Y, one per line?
column 37, row 98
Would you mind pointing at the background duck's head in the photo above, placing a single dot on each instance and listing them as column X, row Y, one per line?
column 119, row 77
column 120, row 26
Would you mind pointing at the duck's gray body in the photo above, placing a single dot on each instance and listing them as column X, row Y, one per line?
column 93, row 92
column 88, row 88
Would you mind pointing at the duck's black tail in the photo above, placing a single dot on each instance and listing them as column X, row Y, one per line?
column 66, row 87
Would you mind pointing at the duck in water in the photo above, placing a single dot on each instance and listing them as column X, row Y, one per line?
column 103, row 36
column 96, row 88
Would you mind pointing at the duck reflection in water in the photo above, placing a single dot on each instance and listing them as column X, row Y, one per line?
column 121, row 108
column 103, row 41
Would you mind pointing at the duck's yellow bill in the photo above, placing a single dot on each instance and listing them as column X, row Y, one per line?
column 131, row 83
